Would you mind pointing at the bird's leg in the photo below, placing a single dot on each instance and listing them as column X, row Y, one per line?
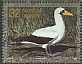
column 49, row 53
column 49, row 50
column 46, row 51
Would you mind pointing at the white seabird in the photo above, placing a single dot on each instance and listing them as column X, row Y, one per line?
column 49, row 35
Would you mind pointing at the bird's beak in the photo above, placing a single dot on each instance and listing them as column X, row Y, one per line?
column 66, row 13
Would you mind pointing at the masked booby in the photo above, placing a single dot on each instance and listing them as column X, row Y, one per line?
column 45, row 37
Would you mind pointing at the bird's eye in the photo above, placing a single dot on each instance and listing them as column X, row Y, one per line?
column 62, row 11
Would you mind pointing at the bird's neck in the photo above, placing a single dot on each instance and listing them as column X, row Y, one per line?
column 59, row 20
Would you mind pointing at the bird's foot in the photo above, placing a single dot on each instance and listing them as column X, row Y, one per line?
column 49, row 53
column 55, row 54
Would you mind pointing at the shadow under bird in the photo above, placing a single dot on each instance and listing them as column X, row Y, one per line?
column 48, row 36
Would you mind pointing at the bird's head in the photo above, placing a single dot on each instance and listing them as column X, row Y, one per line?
column 62, row 11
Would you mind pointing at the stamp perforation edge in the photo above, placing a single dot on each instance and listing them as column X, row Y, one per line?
column 71, row 4
column 1, row 4
column 41, row 1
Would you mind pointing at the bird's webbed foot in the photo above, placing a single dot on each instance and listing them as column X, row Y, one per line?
column 49, row 51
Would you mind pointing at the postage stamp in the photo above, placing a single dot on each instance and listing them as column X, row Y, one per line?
column 41, row 33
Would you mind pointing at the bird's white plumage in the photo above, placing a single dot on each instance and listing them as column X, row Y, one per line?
column 29, row 42
column 56, row 31
column 46, row 32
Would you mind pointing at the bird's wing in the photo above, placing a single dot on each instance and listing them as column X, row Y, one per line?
column 46, row 32
column 40, row 36
column 34, row 39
